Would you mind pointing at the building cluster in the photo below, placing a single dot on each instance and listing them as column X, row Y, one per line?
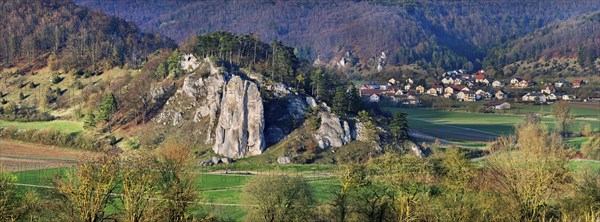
column 461, row 86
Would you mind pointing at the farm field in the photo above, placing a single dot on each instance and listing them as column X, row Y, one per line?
column 482, row 127
column 22, row 156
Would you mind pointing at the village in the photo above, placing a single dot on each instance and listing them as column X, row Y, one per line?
column 460, row 86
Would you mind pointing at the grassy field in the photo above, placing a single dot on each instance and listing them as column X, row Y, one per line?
column 214, row 188
column 462, row 126
column 66, row 126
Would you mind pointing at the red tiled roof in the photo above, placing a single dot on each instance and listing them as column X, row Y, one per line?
column 458, row 87
column 480, row 77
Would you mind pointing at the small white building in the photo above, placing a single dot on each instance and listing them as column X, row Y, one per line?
column 500, row 95
column 497, row 84
column 568, row 97
column 534, row 97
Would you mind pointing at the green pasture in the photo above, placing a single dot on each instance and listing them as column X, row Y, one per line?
column 66, row 126
column 213, row 188
column 450, row 122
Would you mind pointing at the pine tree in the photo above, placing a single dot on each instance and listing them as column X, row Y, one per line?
column 399, row 127
column 339, row 101
column 354, row 103
column 89, row 122
column 107, row 109
column 173, row 64
column 161, row 70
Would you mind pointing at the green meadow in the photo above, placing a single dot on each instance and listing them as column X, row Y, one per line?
column 66, row 126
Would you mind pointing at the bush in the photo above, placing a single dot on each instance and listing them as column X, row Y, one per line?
column 278, row 198
column 12, row 112
column 591, row 148
column 57, row 79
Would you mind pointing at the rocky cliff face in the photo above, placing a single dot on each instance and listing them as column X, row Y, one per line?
column 285, row 111
column 332, row 132
column 239, row 132
column 229, row 108
column 227, row 112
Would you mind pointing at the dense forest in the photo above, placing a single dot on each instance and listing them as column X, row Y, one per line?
column 447, row 34
column 70, row 37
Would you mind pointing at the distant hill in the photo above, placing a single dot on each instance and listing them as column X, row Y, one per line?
column 445, row 34
column 577, row 38
column 35, row 33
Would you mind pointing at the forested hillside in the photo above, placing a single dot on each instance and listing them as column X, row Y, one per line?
column 433, row 34
column 64, row 35
column 575, row 38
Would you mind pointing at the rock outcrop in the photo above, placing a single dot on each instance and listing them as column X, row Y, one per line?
column 229, row 108
column 283, row 160
column 239, row 131
column 189, row 63
column 332, row 132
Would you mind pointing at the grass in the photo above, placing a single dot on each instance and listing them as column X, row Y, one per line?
column 66, row 126
column 576, row 142
column 428, row 120
column 581, row 165
column 214, row 188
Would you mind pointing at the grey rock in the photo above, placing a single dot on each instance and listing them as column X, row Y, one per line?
column 332, row 131
column 312, row 103
column 216, row 160
column 189, row 63
column 206, row 163
column 279, row 89
column 283, row 160
column 177, row 119
column 359, row 132
column 226, row 160
column 239, row 131
column 415, row 148
column 284, row 115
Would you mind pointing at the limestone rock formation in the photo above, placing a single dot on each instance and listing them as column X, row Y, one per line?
column 189, row 63
column 312, row 103
column 359, row 132
column 198, row 97
column 239, row 131
column 283, row 160
column 332, row 132
column 284, row 115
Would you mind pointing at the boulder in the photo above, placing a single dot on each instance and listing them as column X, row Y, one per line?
column 332, row 131
column 415, row 148
column 312, row 103
column 283, row 160
column 177, row 118
column 216, row 160
column 239, row 131
column 206, row 163
column 226, row 160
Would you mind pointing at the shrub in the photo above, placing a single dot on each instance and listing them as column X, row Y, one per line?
column 57, row 79
column 591, row 148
